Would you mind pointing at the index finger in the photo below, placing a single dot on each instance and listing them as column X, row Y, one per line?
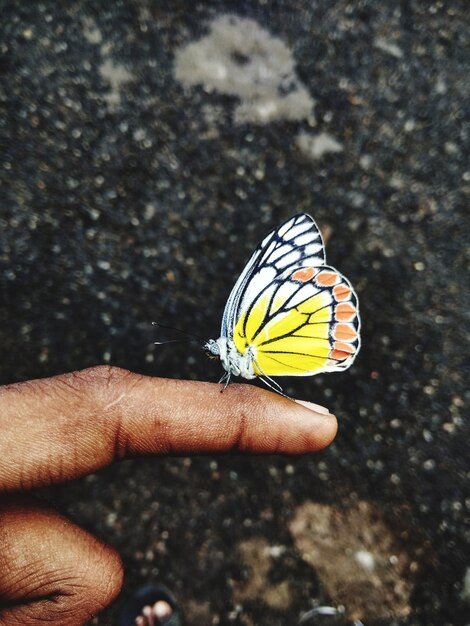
column 59, row 428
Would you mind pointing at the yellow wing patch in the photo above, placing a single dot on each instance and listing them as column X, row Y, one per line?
column 303, row 336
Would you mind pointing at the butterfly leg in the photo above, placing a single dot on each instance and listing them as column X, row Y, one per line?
column 225, row 379
column 272, row 384
column 277, row 389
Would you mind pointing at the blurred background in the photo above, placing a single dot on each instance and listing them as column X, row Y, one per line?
column 146, row 147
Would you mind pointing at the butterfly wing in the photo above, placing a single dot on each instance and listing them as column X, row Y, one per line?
column 305, row 322
column 300, row 315
column 297, row 242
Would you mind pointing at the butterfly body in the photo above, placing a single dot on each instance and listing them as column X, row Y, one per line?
column 289, row 313
column 232, row 360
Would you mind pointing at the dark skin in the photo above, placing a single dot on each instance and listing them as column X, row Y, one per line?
column 56, row 429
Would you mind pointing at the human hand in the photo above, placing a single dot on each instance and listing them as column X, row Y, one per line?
column 57, row 429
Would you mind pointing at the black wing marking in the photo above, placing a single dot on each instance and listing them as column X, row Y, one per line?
column 295, row 243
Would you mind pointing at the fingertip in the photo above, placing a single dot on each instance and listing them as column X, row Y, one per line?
column 327, row 422
column 330, row 430
column 269, row 423
column 318, row 423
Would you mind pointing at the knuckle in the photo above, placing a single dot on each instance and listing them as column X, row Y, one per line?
column 67, row 585
column 77, row 382
column 94, row 385
column 101, row 391
column 100, row 376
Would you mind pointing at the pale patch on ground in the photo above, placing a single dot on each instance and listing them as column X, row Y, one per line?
column 240, row 58
column 90, row 30
column 117, row 76
column 389, row 47
column 197, row 612
column 316, row 146
column 257, row 555
column 359, row 562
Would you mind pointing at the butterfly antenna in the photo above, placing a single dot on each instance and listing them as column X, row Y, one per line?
column 177, row 330
column 162, row 343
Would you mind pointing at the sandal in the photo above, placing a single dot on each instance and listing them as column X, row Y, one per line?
column 310, row 617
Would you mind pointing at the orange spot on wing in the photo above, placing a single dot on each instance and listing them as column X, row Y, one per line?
column 343, row 347
column 327, row 279
column 344, row 332
column 341, row 292
column 339, row 355
column 345, row 312
column 304, row 275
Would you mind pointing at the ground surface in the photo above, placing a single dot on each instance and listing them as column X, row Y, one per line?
column 137, row 174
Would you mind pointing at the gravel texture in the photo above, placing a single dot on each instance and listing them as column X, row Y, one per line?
column 129, row 196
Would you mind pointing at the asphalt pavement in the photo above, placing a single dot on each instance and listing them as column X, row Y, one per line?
column 145, row 149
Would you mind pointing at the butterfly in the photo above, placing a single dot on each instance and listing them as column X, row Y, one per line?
column 289, row 314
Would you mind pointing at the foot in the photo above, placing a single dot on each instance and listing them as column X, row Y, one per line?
column 153, row 615
column 152, row 605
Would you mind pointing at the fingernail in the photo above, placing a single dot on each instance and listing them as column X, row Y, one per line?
column 314, row 407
